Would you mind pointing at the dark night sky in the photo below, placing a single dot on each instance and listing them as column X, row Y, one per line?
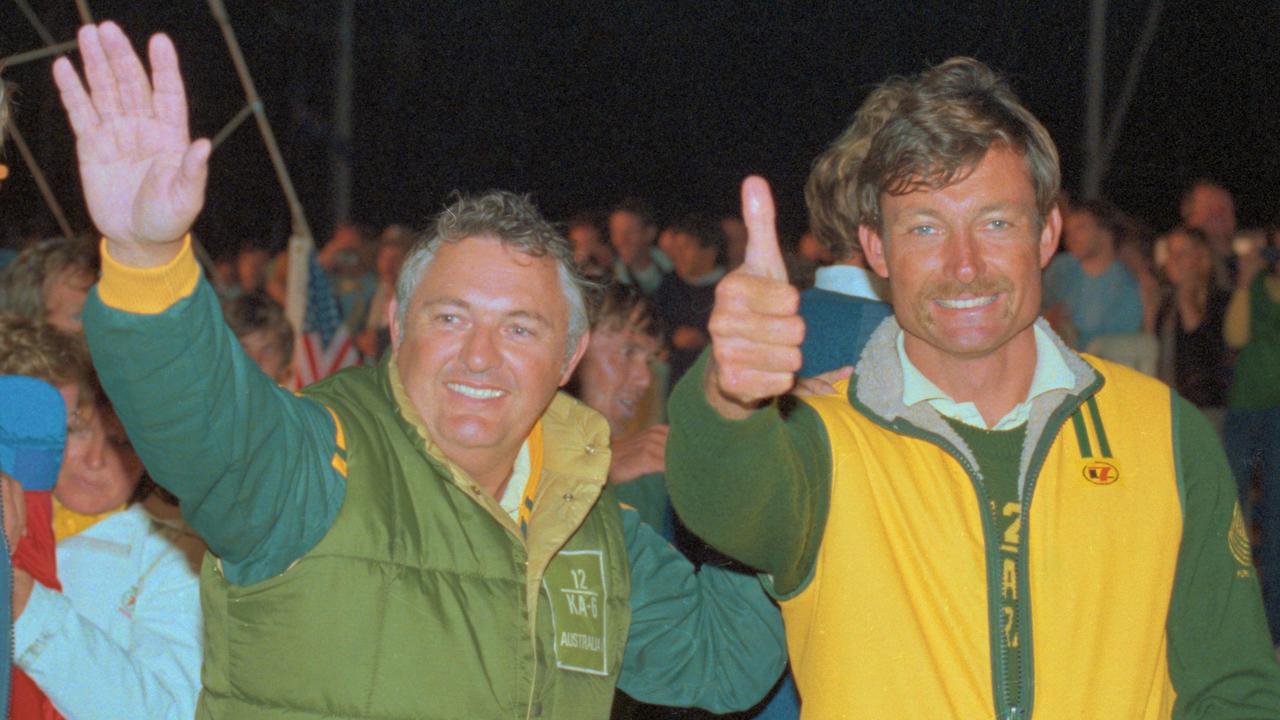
column 581, row 103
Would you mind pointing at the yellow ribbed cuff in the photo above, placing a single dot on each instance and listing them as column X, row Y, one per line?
column 148, row 291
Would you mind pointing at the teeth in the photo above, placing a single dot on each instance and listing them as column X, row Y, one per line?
column 478, row 393
column 967, row 303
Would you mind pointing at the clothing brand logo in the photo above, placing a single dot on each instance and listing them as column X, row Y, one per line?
column 1238, row 539
column 1101, row 472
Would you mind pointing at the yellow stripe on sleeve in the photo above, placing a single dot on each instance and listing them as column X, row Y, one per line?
column 148, row 291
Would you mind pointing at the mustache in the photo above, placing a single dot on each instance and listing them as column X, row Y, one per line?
column 989, row 285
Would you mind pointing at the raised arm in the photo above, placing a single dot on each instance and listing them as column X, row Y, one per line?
column 253, row 465
column 751, row 482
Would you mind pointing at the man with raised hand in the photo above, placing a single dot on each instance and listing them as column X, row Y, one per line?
column 433, row 537
column 980, row 522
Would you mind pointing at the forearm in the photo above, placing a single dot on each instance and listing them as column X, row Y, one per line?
column 1221, row 661
column 756, row 489
column 87, row 674
column 1235, row 324
column 208, row 425
column 709, row 638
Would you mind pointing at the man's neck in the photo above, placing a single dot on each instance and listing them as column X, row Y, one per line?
column 1099, row 263
column 490, row 473
column 995, row 383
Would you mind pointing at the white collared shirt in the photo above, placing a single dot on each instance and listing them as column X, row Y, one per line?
column 1051, row 373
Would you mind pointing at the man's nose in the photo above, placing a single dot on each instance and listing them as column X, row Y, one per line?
column 964, row 257
column 480, row 351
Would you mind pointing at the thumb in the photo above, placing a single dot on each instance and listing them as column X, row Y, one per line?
column 763, row 257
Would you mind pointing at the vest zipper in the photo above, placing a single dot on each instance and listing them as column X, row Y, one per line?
column 1000, row 687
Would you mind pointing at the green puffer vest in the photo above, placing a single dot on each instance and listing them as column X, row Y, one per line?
column 422, row 601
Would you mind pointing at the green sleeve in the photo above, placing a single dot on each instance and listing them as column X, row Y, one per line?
column 708, row 638
column 1220, row 657
column 755, row 489
column 251, row 463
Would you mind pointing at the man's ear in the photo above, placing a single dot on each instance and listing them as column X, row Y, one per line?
column 1050, row 234
column 873, row 249
column 393, row 321
column 578, row 351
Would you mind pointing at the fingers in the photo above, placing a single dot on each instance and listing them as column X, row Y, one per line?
column 194, row 176
column 97, row 70
column 170, row 95
column 80, row 111
column 763, row 256
column 131, row 82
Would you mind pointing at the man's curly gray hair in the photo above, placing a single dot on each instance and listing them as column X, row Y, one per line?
column 515, row 221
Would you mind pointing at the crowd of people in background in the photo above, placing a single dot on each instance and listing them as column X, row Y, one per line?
column 1196, row 305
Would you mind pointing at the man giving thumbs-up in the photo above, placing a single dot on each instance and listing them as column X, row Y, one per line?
column 979, row 522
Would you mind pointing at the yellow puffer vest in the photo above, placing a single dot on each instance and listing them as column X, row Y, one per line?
column 909, row 570
column 422, row 600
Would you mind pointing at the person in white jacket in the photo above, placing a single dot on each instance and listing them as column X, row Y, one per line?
column 122, row 639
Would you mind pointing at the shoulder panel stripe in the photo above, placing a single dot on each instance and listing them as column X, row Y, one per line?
column 1103, row 446
column 1082, row 434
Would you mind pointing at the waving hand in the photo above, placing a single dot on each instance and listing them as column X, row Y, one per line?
column 143, row 178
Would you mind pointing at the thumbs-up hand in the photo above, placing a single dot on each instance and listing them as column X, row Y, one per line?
column 756, row 330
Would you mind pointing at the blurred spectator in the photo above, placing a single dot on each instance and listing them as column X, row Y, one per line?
column 847, row 301
column 612, row 379
column 1087, row 290
column 251, row 267
column 587, row 232
column 49, row 281
column 375, row 337
column 735, row 232
column 37, row 350
column 632, row 232
column 1209, row 207
column 264, row 332
column 1134, row 248
column 123, row 638
column 684, row 299
column 1193, row 353
column 1251, row 431
column 346, row 258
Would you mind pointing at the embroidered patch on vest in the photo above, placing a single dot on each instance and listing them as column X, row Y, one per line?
column 1100, row 472
column 1092, row 467
column 575, row 585
column 1238, row 539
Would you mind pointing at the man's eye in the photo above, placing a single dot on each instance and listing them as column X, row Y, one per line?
column 923, row 230
column 446, row 318
column 998, row 224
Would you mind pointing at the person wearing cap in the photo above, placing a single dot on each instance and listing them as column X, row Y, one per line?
column 33, row 428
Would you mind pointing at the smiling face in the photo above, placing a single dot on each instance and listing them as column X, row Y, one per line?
column 482, row 350
column 615, row 372
column 964, row 261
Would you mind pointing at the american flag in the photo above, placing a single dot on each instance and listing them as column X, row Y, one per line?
column 326, row 346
